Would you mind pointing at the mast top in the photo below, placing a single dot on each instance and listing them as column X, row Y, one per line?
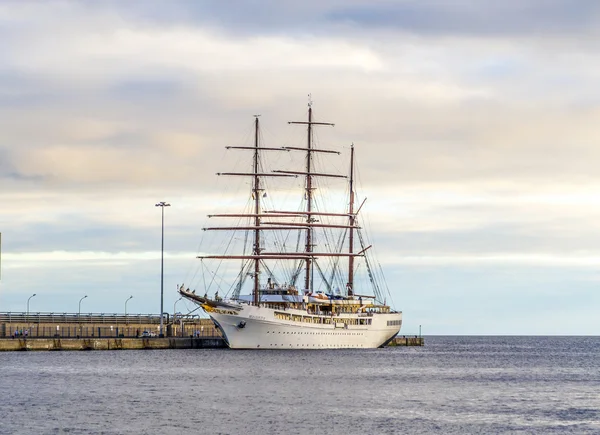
column 310, row 100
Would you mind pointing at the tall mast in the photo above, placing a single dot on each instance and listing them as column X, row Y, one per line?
column 352, row 218
column 309, row 191
column 309, row 218
column 256, row 194
column 257, row 214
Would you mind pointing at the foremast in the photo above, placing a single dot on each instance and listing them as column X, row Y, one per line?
column 351, row 222
column 257, row 212
column 257, row 189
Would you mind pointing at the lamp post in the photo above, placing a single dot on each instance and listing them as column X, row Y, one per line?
column 27, row 316
column 162, row 206
column 79, row 312
column 127, row 300
column 175, row 316
column 174, row 305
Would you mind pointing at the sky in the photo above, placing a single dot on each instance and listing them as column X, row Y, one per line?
column 475, row 124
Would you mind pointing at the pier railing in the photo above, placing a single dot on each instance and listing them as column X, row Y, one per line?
column 14, row 324
column 12, row 317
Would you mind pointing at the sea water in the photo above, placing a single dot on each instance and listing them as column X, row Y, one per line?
column 452, row 385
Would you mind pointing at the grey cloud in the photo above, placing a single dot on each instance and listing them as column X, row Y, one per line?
column 74, row 233
column 20, row 90
column 234, row 16
column 473, row 17
column 10, row 172
column 535, row 232
column 17, row 176
column 461, row 17
column 146, row 89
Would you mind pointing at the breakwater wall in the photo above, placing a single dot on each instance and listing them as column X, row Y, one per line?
column 407, row 341
column 21, row 344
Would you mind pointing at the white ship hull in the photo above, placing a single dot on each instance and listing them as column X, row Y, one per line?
column 255, row 327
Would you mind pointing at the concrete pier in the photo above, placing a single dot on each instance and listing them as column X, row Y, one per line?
column 407, row 341
column 58, row 343
column 17, row 344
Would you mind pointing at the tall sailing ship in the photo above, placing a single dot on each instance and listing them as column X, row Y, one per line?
column 300, row 265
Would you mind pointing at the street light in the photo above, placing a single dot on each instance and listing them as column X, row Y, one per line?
column 174, row 308
column 79, row 314
column 175, row 315
column 130, row 297
column 26, row 317
column 162, row 206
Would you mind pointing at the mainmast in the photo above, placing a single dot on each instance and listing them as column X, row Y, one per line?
column 309, row 192
column 256, row 194
column 351, row 218
column 309, row 233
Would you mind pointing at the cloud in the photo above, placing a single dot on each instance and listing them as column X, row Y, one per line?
column 436, row 114
column 424, row 17
column 469, row 17
column 474, row 125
